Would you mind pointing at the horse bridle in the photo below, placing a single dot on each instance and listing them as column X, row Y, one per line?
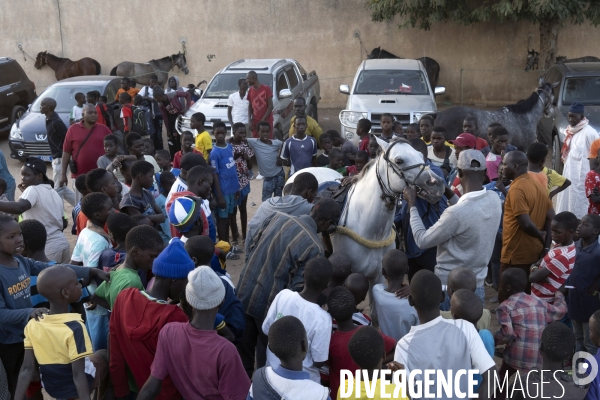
column 547, row 93
column 387, row 191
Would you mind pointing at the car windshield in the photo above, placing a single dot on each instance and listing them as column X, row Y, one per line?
column 391, row 82
column 585, row 89
column 223, row 85
column 64, row 96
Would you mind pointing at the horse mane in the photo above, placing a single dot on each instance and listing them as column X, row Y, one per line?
column 163, row 59
column 524, row 106
column 55, row 58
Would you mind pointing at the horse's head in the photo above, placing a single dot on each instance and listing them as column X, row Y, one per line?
column 399, row 165
column 40, row 60
column 532, row 59
column 546, row 93
column 179, row 60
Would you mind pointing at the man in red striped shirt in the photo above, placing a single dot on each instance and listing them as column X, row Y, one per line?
column 548, row 275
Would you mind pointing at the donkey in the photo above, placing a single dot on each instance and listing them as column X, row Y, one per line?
column 65, row 68
column 141, row 72
column 533, row 59
column 520, row 119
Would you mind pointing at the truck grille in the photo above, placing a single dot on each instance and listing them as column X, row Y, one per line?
column 37, row 149
column 404, row 119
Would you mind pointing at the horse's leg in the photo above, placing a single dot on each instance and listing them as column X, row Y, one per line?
column 372, row 282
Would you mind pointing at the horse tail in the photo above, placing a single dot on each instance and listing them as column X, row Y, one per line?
column 113, row 72
column 98, row 68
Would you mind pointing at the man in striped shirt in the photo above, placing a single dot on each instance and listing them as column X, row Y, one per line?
column 276, row 256
column 552, row 271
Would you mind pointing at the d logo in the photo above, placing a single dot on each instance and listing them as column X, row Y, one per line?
column 580, row 370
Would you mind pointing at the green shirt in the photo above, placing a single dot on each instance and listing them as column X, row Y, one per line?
column 121, row 279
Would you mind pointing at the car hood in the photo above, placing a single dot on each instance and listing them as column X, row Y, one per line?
column 211, row 108
column 392, row 103
column 33, row 124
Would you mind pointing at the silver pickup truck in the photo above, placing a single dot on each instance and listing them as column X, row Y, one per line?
column 286, row 78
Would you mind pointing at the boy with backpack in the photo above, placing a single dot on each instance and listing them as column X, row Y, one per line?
column 142, row 117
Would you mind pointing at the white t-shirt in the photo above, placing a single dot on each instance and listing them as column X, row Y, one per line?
column 239, row 107
column 76, row 113
column 47, row 207
column 316, row 321
column 435, row 160
column 87, row 250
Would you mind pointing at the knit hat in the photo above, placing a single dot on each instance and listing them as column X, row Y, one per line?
column 205, row 289
column 173, row 262
column 576, row 108
column 184, row 211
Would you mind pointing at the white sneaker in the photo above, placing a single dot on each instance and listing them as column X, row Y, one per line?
column 259, row 177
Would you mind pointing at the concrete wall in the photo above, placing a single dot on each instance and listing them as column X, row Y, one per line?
column 320, row 34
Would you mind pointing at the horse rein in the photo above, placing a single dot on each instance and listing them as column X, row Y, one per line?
column 548, row 93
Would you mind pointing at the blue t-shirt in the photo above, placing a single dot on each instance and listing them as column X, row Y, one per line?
column 581, row 304
column 221, row 158
column 232, row 309
column 300, row 152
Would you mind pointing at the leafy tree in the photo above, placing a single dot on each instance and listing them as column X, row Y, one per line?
column 550, row 15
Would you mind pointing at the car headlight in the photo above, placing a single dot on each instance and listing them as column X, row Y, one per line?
column 15, row 133
column 351, row 118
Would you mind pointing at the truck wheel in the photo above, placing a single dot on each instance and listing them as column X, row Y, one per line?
column 311, row 111
column 17, row 113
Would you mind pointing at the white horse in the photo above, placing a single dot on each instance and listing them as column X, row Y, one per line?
column 365, row 230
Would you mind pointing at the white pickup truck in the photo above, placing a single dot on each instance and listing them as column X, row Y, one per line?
column 286, row 78
column 396, row 86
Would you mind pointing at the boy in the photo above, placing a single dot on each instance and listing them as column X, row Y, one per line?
column 439, row 152
column 398, row 130
column 358, row 284
column 584, row 280
column 550, row 274
column 139, row 200
column 499, row 141
column 373, row 148
column 421, row 347
column 463, row 278
column 126, row 112
column 361, row 159
column 227, row 187
column 187, row 140
column 491, row 127
column 213, row 364
column 288, row 342
column 34, row 241
column 536, row 155
column 111, row 150
column 336, row 161
column 326, row 144
column 143, row 244
column 366, row 347
column 395, row 316
column 77, row 110
column 522, row 318
column 470, row 125
column 242, row 154
column 83, row 190
column 166, row 180
column 163, row 159
column 119, row 225
column 69, row 367
column 412, row 131
column 300, row 150
column 138, row 317
column 202, row 251
column 340, row 305
column 203, row 140
column 317, row 322
column 91, row 242
column 387, row 132
column 135, row 145
column 137, row 103
column 341, row 267
column 426, row 128
column 347, row 147
column 269, row 164
column 149, row 149
column 363, row 127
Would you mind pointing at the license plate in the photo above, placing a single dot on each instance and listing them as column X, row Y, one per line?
column 46, row 158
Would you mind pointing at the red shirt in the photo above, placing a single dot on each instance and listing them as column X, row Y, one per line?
column 91, row 151
column 364, row 144
column 339, row 357
column 259, row 98
column 137, row 321
column 101, row 119
column 177, row 158
column 126, row 112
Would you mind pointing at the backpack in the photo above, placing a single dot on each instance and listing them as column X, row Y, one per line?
column 139, row 123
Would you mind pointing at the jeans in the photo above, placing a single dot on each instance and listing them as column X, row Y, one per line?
column 583, row 342
column 495, row 261
column 253, row 346
column 273, row 185
column 157, row 136
column 65, row 192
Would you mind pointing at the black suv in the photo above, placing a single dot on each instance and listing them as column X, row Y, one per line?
column 16, row 92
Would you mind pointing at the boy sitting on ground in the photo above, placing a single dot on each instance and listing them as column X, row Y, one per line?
column 548, row 275
column 303, row 306
column 69, row 367
column 289, row 343
column 213, row 364
column 395, row 316
column 340, row 305
column 358, row 284
column 143, row 245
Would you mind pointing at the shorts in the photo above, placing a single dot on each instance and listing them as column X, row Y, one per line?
column 230, row 204
column 273, row 185
column 243, row 194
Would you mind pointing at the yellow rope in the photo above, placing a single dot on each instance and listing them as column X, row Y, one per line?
column 371, row 244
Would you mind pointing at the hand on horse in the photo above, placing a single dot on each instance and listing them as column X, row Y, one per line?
column 404, row 292
column 410, row 195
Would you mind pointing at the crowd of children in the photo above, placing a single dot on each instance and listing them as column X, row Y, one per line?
column 145, row 307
